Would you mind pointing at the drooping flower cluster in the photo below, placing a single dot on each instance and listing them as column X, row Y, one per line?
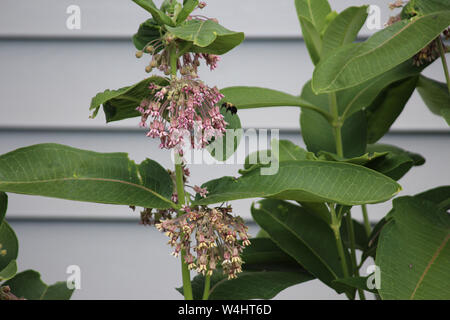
column 208, row 236
column 184, row 109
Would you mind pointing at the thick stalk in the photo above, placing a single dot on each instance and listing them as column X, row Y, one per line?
column 366, row 219
column 351, row 233
column 444, row 62
column 336, row 124
column 335, row 226
column 207, row 287
column 186, row 275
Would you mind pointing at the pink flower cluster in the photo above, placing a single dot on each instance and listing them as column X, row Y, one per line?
column 184, row 109
column 216, row 233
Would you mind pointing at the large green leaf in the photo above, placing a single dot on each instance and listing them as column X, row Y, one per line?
column 28, row 285
column 256, row 97
column 344, row 28
column 396, row 163
column 228, row 143
column 267, row 271
column 354, row 64
column 207, row 36
column 302, row 235
column 148, row 31
column 310, row 181
column 312, row 16
column 59, row 171
column 156, row 13
column 318, row 134
column 414, row 252
column 122, row 103
column 435, row 95
column 388, row 105
column 8, row 240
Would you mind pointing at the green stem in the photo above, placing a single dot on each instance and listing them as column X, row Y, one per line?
column 335, row 226
column 366, row 220
column 444, row 62
column 336, row 124
column 186, row 275
column 351, row 232
column 207, row 287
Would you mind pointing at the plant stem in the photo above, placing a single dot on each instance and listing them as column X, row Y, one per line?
column 336, row 124
column 186, row 275
column 351, row 232
column 366, row 219
column 207, row 287
column 444, row 62
column 187, row 287
column 335, row 225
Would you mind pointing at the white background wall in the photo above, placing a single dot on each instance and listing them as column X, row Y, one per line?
column 48, row 74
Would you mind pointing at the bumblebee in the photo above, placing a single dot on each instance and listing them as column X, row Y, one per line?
column 230, row 107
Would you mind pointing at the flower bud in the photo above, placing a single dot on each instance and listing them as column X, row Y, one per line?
column 139, row 54
column 149, row 49
column 148, row 69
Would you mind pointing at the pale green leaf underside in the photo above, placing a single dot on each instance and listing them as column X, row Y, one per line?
column 355, row 63
column 310, row 181
column 60, row 171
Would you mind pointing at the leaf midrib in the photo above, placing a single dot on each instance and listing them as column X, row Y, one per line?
column 92, row 179
column 430, row 263
column 373, row 49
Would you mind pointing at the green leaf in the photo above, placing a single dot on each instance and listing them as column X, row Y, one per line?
column 363, row 95
column 58, row 291
column 59, row 171
column 344, row 28
column 310, row 181
column 157, row 14
column 312, row 15
column 267, row 271
column 440, row 196
column 230, row 141
column 188, row 7
column 281, row 150
column 413, row 251
column 256, row 97
column 3, row 205
column 9, row 271
column 207, row 36
column 361, row 160
column 318, row 134
column 28, row 285
column 388, row 105
column 302, row 235
column 435, row 95
column 8, row 241
column 353, row 64
column 147, row 32
column 396, row 163
column 122, row 103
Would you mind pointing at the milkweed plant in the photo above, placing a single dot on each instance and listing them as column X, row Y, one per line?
column 304, row 211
